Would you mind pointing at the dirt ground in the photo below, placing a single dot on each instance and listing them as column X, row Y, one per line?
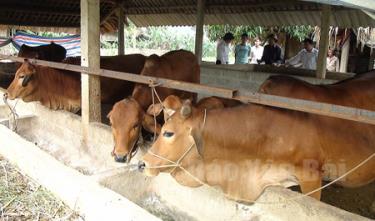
column 23, row 199
column 356, row 200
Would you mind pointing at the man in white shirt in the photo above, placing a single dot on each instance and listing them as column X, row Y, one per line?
column 307, row 57
column 223, row 49
column 333, row 63
column 256, row 51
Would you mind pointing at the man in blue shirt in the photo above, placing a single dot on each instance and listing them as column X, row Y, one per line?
column 242, row 51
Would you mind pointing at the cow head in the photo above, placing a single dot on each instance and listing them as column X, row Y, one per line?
column 28, row 52
column 169, row 106
column 178, row 134
column 24, row 83
column 127, row 119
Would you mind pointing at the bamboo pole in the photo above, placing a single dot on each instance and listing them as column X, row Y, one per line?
column 199, row 30
column 321, row 68
column 121, row 33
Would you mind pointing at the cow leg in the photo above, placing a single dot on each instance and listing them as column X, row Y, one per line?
column 310, row 180
column 309, row 186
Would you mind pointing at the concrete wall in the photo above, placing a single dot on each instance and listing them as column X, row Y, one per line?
column 250, row 77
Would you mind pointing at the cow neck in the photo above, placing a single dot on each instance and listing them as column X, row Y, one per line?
column 142, row 94
column 193, row 163
column 58, row 89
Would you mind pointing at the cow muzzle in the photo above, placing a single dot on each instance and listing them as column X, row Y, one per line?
column 121, row 159
column 141, row 166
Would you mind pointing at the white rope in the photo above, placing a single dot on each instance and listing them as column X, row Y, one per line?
column 13, row 112
column 154, row 93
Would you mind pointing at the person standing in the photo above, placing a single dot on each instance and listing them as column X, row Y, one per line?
column 308, row 56
column 333, row 63
column 256, row 51
column 242, row 50
column 271, row 52
column 223, row 49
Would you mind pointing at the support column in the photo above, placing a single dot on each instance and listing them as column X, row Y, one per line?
column 345, row 56
column 90, row 57
column 199, row 30
column 321, row 68
column 121, row 32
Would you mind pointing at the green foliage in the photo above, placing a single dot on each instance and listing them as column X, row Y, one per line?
column 164, row 38
column 217, row 31
column 49, row 34
column 299, row 31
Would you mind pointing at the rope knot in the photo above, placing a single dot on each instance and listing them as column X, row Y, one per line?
column 154, row 84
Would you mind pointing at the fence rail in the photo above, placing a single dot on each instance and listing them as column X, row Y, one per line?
column 325, row 109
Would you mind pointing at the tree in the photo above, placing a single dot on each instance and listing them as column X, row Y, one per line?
column 215, row 32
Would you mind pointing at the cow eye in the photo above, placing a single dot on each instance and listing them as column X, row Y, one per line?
column 168, row 134
column 21, row 76
column 135, row 126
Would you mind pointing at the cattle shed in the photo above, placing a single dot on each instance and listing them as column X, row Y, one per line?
column 92, row 17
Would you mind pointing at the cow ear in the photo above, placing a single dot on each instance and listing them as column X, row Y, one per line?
column 155, row 109
column 197, row 136
column 186, row 109
column 148, row 124
column 26, row 80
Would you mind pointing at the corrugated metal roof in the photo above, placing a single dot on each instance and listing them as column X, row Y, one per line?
column 242, row 12
column 52, row 15
column 66, row 13
column 343, row 18
column 368, row 5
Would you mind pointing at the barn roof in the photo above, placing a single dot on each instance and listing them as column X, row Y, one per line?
column 53, row 15
column 243, row 12
column 65, row 14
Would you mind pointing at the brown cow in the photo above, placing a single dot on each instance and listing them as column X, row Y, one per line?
column 247, row 148
column 128, row 116
column 172, row 103
column 344, row 93
column 51, row 52
column 60, row 89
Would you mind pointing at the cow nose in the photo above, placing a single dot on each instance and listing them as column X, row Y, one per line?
column 120, row 159
column 141, row 166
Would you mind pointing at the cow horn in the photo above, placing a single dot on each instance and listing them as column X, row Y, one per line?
column 186, row 109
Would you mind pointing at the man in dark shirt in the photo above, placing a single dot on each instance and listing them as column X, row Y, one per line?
column 271, row 52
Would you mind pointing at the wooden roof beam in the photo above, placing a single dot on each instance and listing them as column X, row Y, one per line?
column 39, row 10
column 110, row 14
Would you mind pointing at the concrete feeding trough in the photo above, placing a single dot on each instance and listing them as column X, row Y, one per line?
column 48, row 149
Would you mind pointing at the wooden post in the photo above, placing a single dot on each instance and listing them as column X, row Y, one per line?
column 121, row 32
column 90, row 57
column 199, row 30
column 321, row 68
column 371, row 60
column 345, row 56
